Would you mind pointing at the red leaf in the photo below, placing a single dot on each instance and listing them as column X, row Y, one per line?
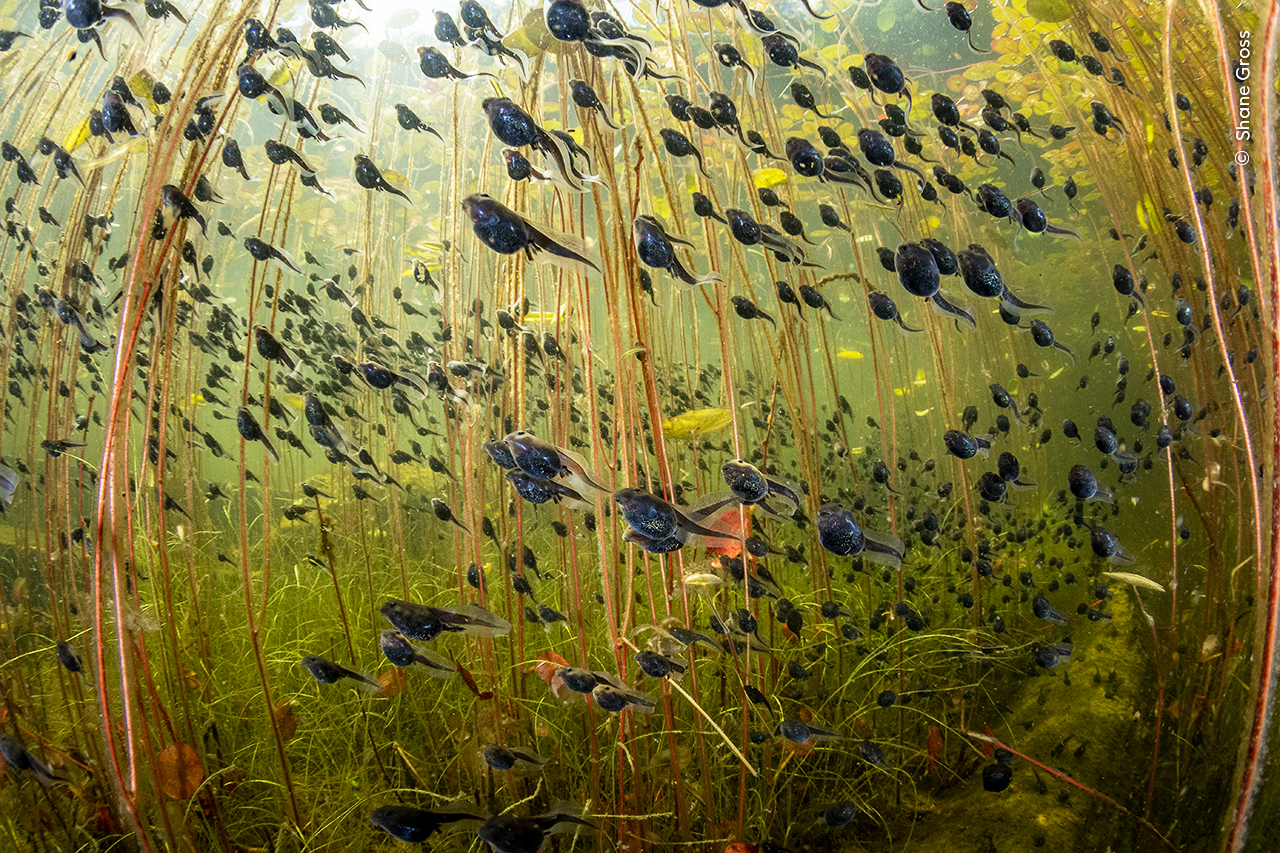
column 484, row 695
column 933, row 743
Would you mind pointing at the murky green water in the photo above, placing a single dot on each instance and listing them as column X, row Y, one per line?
column 975, row 674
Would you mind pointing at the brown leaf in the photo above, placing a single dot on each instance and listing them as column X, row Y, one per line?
column 178, row 771
column 483, row 696
column 392, row 681
column 548, row 665
column 286, row 720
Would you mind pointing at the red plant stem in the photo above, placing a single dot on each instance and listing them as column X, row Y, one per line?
column 1268, row 628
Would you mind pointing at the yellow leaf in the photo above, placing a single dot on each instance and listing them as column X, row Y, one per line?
column 77, row 136
column 1139, row 328
column 287, row 70
column 920, row 413
column 696, row 422
column 844, row 352
column 661, row 207
column 920, row 380
column 1054, row 375
column 1148, row 217
column 769, row 176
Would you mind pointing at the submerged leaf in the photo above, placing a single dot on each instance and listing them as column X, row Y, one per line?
column 696, row 422
column 769, row 176
column 1136, row 580
column 178, row 771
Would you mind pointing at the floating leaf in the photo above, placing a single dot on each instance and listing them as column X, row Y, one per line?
column 845, row 352
column 769, row 176
column 178, row 771
column 697, row 422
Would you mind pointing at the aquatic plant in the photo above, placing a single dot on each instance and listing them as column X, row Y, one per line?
column 640, row 425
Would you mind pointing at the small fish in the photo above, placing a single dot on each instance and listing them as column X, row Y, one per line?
column 19, row 758
column 657, row 665
column 331, row 115
column 842, row 536
column 657, row 519
column 401, row 653
column 509, row 833
column 328, row 672
column 279, row 153
column 814, row 299
column 249, row 429
column 1041, row 607
column 324, row 16
column 423, row 622
column 654, row 246
column 506, row 758
column 444, row 513
column 1004, row 400
column 1047, row 657
column 545, row 461
column 748, row 310
column 265, row 252
column 507, row 232
column 436, row 66
column 369, row 176
column 68, row 657
column 750, row 486
column 57, row 447
column 413, row 825
column 409, row 120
